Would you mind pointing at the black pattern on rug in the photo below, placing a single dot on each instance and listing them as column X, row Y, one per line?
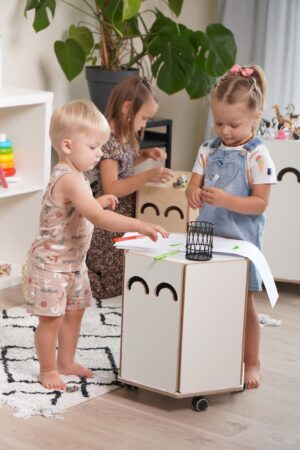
column 98, row 348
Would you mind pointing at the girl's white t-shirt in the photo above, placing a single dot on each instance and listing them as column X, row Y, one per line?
column 260, row 167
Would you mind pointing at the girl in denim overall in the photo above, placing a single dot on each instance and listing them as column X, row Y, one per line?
column 242, row 172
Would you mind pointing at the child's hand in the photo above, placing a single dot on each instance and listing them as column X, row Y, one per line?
column 160, row 175
column 156, row 153
column 108, row 201
column 193, row 194
column 151, row 230
column 214, row 196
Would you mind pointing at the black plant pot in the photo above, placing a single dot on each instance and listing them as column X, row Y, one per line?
column 101, row 83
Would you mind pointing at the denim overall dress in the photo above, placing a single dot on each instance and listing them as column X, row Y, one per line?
column 231, row 166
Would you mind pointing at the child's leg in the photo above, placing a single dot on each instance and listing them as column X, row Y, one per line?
column 45, row 339
column 252, row 340
column 67, row 343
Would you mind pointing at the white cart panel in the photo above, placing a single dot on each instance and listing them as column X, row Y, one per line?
column 150, row 323
column 213, row 326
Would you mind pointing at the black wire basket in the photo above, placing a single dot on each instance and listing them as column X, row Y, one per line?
column 199, row 241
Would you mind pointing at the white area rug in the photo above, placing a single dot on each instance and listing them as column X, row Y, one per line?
column 98, row 349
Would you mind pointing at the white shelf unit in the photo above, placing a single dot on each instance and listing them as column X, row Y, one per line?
column 281, row 244
column 24, row 118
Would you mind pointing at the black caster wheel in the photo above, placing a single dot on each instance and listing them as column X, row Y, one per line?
column 200, row 404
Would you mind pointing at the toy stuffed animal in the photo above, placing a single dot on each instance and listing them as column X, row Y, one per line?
column 282, row 120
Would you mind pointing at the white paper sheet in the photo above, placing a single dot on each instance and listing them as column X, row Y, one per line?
column 220, row 245
column 250, row 251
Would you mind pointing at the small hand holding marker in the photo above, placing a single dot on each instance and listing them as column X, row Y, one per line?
column 213, row 181
column 206, row 194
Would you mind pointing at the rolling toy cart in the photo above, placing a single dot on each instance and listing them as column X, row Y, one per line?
column 183, row 325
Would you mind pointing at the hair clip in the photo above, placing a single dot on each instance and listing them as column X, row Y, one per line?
column 236, row 68
column 243, row 71
column 247, row 72
column 220, row 80
column 146, row 82
column 254, row 86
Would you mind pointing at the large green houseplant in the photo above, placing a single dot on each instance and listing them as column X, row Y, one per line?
column 114, row 35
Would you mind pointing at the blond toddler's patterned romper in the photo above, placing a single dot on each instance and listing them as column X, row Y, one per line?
column 56, row 278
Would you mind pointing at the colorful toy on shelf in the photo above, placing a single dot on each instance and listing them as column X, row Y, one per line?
column 7, row 160
column 282, row 134
column 5, row 270
column 282, row 120
column 3, row 179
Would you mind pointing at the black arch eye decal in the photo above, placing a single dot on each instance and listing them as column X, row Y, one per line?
column 287, row 170
column 161, row 286
column 150, row 205
column 175, row 208
column 140, row 280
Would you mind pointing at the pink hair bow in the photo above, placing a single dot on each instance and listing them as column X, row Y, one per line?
column 235, row 69
column 244, row 71
column 247, row 72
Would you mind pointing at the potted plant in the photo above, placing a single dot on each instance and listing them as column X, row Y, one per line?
column 116, row 37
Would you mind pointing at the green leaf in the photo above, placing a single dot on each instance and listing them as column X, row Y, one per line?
column 170, row 46
column 174, row 66
column 175, row 6
column 200, row 85
column 83, row 36
column 222, row 50
column 70, row 56
column 41, row 19
column 201, row 40
column 130, row 8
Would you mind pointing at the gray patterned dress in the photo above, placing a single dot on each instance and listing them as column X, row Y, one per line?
column 105, row 263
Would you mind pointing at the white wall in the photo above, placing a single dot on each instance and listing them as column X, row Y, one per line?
column 28, row 57
column 29, row 61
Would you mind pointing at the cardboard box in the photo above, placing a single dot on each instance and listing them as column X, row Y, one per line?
column 183, row 324
column 165, row 205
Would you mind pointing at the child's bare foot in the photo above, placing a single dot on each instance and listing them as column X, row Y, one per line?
column 52, row 380
column 252, row 376
column 76, row 369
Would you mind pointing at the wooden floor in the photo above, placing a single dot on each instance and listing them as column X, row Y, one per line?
column 264, row 419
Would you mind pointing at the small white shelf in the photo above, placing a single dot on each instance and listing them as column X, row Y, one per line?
column 11, row 96
column 24, row 118
column 15, row 276
column 19, row 188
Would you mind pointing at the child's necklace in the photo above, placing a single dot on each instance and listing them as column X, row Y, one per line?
column 239, row 144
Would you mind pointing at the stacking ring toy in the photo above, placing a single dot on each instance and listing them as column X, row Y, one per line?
column 5, row 144
column 8, row 165
column 6, row 150
column 9, row 172
column 6, row 158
